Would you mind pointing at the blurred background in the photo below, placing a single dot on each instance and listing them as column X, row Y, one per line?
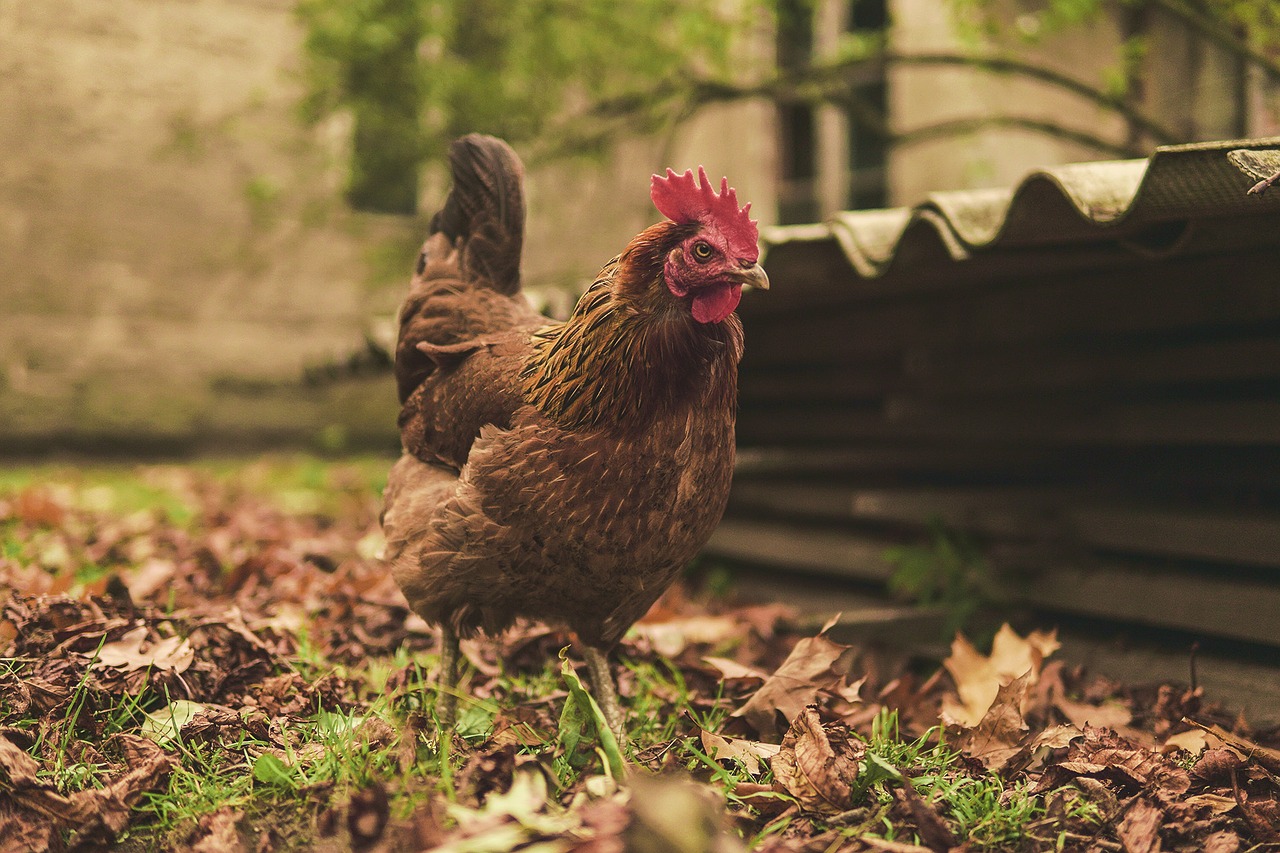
column 209, row 208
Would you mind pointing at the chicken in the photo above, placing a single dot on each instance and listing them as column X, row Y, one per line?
column 563, row 472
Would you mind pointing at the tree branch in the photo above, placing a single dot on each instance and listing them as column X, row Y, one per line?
column 833, row 83
column 956, row 127
column 1007, row 65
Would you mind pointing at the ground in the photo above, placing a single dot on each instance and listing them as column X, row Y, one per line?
column 211, row 657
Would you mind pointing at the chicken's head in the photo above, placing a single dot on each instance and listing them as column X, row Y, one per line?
column 717, row 257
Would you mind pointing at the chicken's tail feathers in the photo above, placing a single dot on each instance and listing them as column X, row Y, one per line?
column 484, row 213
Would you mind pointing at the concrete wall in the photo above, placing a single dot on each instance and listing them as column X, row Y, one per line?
column 1188, row 85
column 174, row 252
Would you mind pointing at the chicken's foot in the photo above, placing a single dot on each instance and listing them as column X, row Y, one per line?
column 447, row 680
column 606, row 691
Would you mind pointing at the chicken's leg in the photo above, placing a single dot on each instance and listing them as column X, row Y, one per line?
column 447, row 681
column 606, row 691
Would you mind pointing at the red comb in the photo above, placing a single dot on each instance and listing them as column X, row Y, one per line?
column 680, row 198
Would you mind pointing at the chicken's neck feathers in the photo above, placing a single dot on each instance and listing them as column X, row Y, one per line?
column 630, row 353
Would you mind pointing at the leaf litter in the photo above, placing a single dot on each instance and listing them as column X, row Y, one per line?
column 207, row 658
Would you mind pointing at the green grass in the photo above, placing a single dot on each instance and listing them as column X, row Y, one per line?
column 382, row 733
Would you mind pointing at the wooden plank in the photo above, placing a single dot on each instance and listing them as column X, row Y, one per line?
column 1226, row 605
column 1244, row 474
column 1223, row 605
column 1069, row 515
column 766, row 460
column 1092, row 367
column 1159, row 297
column 1089, row 368
column 1247, row 422
column 1239, row 537
column 795, row 547
column 1012, row 512
column 820, row 383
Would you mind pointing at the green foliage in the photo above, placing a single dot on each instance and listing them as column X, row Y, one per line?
column 950, row 572
column 581, row 715
column 414, row 74
column 364, row 57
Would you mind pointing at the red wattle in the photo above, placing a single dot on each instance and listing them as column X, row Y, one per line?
column 714, row 304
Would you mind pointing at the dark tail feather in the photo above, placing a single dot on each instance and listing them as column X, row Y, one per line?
column 485, row 209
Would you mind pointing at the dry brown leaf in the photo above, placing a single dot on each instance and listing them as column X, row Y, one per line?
column 673, row 636
column 216, row 832
column 1056, row 737
column 1216, row 765
column 22, row 833
column 96, row 813
column 749, row 752
column 933, row 830
column 152, row 575
column 1222, row 842
column 1139, row 832
column 978, row 677
column 673, row 813
column 731, row 670
column 809, row 668
column 169, row 654
column 1193, row 741
column 817, row 764
column 1216, row 803
column 1109, row 715
column 1000, row 732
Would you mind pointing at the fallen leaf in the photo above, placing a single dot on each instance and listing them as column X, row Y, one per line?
column 154, row 574
column 979, row 677
column 1108, row 715
column 1216, row 765
column 817, row 764
column 933, row 830
column 169, row 654
column 1139, row 831
column 748, row 752
column 96, row 813
column 23, row 833
column 1216, row 803
column 1193, row 741
column 217, row 832
column 810, row 668
column 1000, row 732
column 1056, row 737
column 673, row 636
column 731, row 670
column 673, row 814
column 1222, row 842
column 164, row 725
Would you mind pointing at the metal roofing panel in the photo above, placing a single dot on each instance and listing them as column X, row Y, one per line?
column 1142, row 205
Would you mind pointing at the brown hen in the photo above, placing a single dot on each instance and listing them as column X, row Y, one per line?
column 564, row 472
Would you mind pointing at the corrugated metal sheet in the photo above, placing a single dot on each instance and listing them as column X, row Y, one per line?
column 1138, row 204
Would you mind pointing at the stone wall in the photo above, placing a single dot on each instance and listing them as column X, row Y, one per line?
column 174, row 253
column 1188, row 85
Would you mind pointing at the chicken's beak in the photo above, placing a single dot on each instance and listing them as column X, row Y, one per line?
column 754, row 276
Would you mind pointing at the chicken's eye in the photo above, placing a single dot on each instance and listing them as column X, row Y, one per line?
column 702, row 251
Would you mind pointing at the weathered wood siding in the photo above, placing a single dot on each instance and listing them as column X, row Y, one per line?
column 1103, row 415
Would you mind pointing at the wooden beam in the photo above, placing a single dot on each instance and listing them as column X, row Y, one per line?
column 1072, row 516
column 1230, row 605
